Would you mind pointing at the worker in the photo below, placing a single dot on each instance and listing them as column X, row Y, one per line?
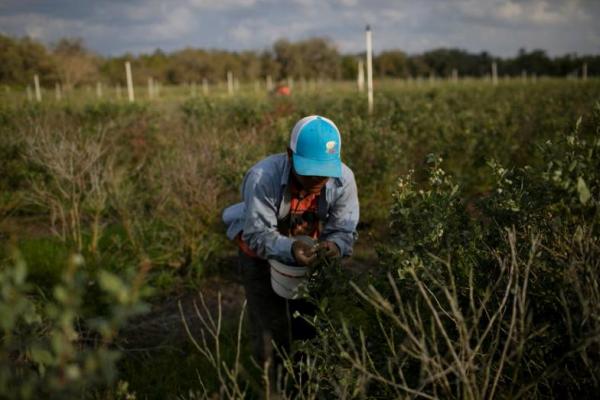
column 307, row 191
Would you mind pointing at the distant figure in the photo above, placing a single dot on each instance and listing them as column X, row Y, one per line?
column 283, row 90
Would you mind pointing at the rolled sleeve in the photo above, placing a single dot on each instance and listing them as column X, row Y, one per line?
column 260, row 226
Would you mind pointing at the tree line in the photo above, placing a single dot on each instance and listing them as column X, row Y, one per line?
column 70, row 63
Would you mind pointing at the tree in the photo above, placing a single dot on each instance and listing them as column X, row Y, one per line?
column 312, row 58
column 20, row 59
column 392, row 64
column 76, row 64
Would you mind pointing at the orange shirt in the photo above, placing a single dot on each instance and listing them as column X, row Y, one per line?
column 304, row 219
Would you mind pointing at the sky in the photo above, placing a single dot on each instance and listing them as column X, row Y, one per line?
column 501, row 27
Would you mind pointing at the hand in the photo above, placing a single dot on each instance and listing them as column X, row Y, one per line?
column 329, row 249
column 304, row 253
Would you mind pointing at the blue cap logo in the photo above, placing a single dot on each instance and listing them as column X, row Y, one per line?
column 331, row 147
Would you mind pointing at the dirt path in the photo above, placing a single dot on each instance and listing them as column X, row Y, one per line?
column 163, row 327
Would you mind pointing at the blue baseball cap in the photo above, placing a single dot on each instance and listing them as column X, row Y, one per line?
column 316, row 146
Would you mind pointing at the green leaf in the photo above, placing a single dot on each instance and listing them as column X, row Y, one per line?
column 20, row 272
column 41, row 356
column 110, row 282
column 584, row 192
column 61, row 294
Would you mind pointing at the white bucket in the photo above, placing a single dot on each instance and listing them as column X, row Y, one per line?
column 287, row 279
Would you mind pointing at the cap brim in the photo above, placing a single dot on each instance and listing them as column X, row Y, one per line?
column 307, row 167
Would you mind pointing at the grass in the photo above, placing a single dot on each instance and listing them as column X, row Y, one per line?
column 164, row 169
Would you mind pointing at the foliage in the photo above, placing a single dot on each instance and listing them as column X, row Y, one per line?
column 502, row 302
column 70, row 63
column 148, row 182
column 50, row 348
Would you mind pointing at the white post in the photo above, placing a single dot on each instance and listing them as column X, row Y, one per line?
column 454, row 75
column 584, row 72
column 230, row 82
column 431, row 78
column 150, row 89
column 494, row 73
column 99, row 90
column 524, row 76
column 269, row 83
column 38, row 91
column 360, row 79
column 29, row 96
column 205, row 86
column 57, row 92
column 129, row 82
column 369, row 68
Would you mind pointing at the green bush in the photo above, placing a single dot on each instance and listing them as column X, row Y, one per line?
column 49, row 348
column 494, row 300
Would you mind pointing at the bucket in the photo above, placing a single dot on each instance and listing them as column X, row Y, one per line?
column 287, row 279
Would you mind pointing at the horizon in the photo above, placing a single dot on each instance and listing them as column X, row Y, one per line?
column 498, row 27
column 269, row 48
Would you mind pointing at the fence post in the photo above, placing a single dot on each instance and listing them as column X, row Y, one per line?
column 38, row 91
column 494, row 73
column 360, row 78
column 57, row 91
column 99, row 90
column 230, row 83
column 369, row 41
column 129, row 82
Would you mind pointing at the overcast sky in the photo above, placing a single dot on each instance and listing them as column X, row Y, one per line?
column 501, row 27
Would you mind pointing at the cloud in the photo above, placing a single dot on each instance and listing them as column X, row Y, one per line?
column 269, row 31
column 222, row 4
column 499, row 26
column 524, row 12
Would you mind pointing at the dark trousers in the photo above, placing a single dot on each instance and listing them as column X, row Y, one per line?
column 271, row 317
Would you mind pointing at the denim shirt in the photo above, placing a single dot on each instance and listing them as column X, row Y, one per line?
column 266, row 195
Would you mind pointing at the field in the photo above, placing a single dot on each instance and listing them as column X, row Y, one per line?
column 476, row 273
